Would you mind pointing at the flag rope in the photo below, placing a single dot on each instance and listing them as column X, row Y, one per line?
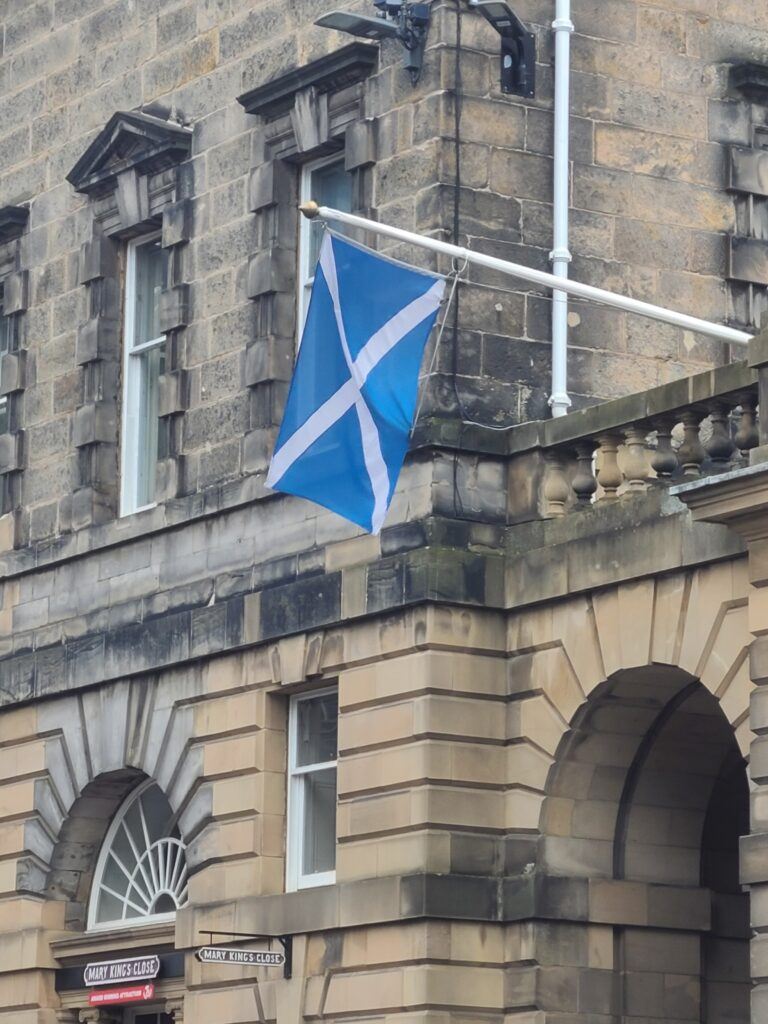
column 457, row 272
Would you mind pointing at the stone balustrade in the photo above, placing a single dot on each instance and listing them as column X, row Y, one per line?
column 699, row 426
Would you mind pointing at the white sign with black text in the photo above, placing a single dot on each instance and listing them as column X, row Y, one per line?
column 240, row 957
column 122, row 972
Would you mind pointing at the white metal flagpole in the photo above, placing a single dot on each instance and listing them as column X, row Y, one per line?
column 537, row 277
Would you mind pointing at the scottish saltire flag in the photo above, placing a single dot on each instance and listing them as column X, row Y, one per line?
column 351, row 403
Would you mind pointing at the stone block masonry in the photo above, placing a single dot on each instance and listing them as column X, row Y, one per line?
column 654, row 115
column 523, row 809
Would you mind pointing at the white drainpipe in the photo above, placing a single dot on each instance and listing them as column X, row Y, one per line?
column 561, row 255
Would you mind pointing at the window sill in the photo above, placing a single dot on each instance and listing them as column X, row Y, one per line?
column 74, row 946
column 126, row 513
column 155, row 921
column 139, row 525
column 314, row 881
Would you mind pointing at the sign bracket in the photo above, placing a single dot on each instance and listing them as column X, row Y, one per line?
column 286, row 941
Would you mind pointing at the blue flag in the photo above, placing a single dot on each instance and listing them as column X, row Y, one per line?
column 352, row 399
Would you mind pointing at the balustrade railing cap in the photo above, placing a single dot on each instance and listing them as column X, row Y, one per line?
column 673, row 398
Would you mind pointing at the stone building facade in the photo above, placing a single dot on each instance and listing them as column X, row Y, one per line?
column 490, row 764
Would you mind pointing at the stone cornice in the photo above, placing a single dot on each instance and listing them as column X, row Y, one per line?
column 335, row 71
column 455, row 897
column 738, row 499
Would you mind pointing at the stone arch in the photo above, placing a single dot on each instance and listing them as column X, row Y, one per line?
column 74, row 856
column 561, row 652
column 648, row 793
column 632, row 719
column 99, row 744
column 642, row 758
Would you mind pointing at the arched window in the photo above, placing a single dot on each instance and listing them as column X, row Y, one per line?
column 141, row 874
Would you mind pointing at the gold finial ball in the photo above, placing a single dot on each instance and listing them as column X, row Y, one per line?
column 310, row 209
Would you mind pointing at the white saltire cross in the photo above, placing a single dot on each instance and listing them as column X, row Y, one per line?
column 350, row 393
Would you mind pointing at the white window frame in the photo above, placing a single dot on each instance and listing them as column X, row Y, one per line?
column 306, row 274
column 106, row 845
column 131, row 391
column 295, row 878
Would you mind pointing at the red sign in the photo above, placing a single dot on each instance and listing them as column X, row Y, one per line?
column 126, row 994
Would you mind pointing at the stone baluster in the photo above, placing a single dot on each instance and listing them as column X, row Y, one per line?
column 720, row 447
column 584, row 482
column 747, row 435
column 664, row 459
column 636, row 462
column 557, row 490
column 609, row 475
column 691, row 452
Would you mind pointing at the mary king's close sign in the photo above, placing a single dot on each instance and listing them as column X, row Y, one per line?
column 240, row 957
column 122, row 972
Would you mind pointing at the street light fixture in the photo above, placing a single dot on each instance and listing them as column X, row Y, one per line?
column 397, row 19
column 518, row 47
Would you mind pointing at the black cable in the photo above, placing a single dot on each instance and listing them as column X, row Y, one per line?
column 458, row 100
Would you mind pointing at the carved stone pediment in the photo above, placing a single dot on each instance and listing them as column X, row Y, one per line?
column 130, row 140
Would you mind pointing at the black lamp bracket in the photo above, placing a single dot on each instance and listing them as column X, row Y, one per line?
column 412, row 20
column 518, row 47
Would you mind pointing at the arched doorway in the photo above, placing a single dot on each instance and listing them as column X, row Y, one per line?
column 649, row 794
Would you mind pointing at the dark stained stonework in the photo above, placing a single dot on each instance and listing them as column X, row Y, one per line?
column 346, row 66
column 751, row 80
column 532, row 822
column 13, row 221
column 131, row 140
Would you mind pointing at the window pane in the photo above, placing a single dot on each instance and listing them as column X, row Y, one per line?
column 110, row 909
column 319, row 852
column 329, row 186
column 152, row 365
column 160, row 875
column 123, row 849
column 114, row 877
column 151, row 276
column 316, row 729
column 156, row 812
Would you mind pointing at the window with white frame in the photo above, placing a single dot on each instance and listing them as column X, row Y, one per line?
column 329, row 184
column 141, row 873
column 312, row 752
column 146, row 276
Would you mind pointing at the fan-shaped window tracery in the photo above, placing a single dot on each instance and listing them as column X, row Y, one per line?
column 142, row 868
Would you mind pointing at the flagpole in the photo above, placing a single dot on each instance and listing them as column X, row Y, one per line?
column 537, row 277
